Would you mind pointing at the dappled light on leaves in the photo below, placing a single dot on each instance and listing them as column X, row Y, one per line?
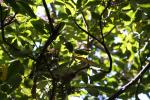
column 63, row 49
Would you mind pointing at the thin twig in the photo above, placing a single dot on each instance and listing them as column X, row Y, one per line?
column 109, row 56
column 87, row 28
column 88, row 33
column 103, row 39
column 130, row 83
column 105, row 35
column 85, row 21
column 101, row 30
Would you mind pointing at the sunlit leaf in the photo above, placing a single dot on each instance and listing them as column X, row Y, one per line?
column 92, row 35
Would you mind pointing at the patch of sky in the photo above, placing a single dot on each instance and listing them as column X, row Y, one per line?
column 41, row 12
column 148, row 58
column 143, row 96
column 97, row 53
column 117, row 40
column 37, row 44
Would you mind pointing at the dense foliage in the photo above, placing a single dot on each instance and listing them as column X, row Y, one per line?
column 57, row 49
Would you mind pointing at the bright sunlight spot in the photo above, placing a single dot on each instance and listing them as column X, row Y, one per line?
column 143, row 97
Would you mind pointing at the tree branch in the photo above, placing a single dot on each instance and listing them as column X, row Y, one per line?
column 87, row 28
column 132, row 82
column 88, row 33
column 2, row 30
column 106, row 49
column 55, row 33
column 103, row 39
column 48, row 15
column 12, row 18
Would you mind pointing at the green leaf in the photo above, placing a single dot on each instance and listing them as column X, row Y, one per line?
column 62, row 15
column 138, row 15
column 3, row 96
column 15, row 68
column 68, row 11
column 145, row 5
column 69, row 46
column 5, row 11
column 28, row 83
column 71, row 4
column 81, row 52
column 95, row 15
column 5, row 88
column 13, row 4
column 85, row 1
column 107, row 89
column 79, row 3
column 26, row 8
column 93, row 91
column 38, row 25
column 49, row 1
column 63, row 58
column 85, row 77
column 124, row 16
column 15, row 82
column 59, row 3
column 143, row 1
column 25, row 52
column 97, row 77
column 92, row 3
